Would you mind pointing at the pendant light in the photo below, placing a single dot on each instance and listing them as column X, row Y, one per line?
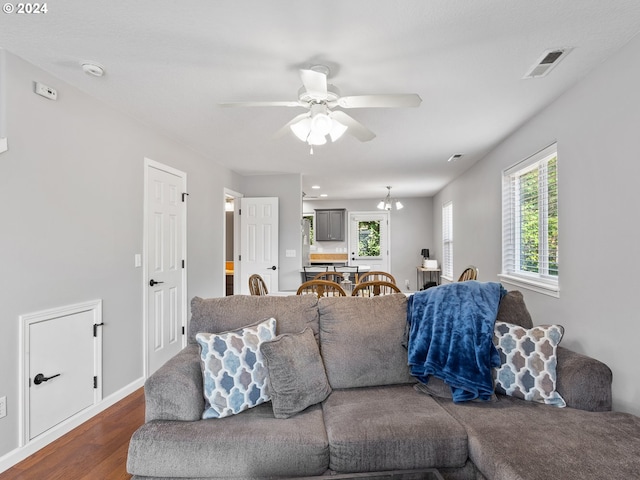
column 387, row 202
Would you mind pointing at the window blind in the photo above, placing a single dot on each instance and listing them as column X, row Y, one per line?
column 447, row 240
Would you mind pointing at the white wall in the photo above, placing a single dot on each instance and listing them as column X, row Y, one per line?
column 71, row 191
column 410, row 232
column 596, row 125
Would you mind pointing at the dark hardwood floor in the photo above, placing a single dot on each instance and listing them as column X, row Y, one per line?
column 95, row 450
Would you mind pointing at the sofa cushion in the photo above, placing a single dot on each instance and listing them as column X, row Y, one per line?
column 233, row 369
column 513, row 439
column 391, row 428
column 213, row 315
column 361, row 340
column 528, row 362
column 248, row 445
column 296, row 376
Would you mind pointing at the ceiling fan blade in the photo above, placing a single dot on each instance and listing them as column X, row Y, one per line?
column 315, row 83
column 285, row 103
column 399, row 100
column 286, row 129
column 355, row 128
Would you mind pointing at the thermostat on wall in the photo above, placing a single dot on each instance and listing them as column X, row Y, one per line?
column 47, row 92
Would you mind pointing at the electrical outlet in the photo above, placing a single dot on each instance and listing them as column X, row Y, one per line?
column 3, row 407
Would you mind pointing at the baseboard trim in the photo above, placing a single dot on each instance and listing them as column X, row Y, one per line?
column 17, row 455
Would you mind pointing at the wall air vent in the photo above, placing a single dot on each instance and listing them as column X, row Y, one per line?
column 546, row 62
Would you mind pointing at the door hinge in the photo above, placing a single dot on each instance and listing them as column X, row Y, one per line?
column 239, row 211
column 95, row 382
column 183, row 330
column 183, row 195
column 95, row 328
column 239, row 258
column 182, row 263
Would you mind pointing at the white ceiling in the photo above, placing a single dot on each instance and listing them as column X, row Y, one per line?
column 171, row 63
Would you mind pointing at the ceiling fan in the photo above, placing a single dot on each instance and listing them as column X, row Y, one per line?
column 321, row 100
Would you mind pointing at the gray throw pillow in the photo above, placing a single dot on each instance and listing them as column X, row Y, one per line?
column 296, row 378
column 512, row 309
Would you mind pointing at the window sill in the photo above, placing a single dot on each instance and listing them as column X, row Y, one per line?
column 552, row 290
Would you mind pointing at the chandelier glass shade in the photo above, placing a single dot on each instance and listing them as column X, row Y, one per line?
column 387, row 202
column 315, row 128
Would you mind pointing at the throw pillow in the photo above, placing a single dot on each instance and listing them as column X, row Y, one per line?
column 233, row 368
column 512, row 309
column 528, row 362
column 297, row 378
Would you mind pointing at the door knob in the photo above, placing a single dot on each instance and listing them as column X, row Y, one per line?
column 39, row 378
column 272, row 268
column 152, row 282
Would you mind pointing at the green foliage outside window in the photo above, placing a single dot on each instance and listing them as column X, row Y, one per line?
column 369, row 238
column 530, row 228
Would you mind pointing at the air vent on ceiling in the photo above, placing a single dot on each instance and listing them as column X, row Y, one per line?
column 546, row 62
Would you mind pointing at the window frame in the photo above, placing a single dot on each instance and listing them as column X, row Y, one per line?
column 542, row 281
column 447, row 240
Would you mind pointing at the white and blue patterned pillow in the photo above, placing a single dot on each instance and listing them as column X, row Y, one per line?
column 233, row 369
column 528, row 362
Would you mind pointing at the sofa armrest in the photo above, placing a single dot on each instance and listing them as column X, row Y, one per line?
column 583, row 382
column 174, row 391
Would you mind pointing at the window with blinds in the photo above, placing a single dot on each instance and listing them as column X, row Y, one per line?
column 447, row 240
column 530, row 222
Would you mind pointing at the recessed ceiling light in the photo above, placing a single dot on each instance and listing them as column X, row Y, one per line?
column 315, row 187
column 93, row 69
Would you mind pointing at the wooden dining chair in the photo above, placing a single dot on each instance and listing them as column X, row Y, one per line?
column 257, row 285
column 374, row 275
column 321, row 288
column 469, row 273
column 374, row 288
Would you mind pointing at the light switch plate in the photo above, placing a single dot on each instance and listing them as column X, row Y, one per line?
column 3, row 407
column 290, row 253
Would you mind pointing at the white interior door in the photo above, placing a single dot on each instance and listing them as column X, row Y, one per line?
column 61, row 351
column 259, row 241
column 369, row 240
column 165, row 263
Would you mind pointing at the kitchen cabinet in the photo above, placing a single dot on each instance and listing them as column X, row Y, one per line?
column 330, row 225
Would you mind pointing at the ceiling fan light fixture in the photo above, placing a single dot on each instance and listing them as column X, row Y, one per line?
column 321, row 124
column 302, row 129
column 315, row 138
column 337, row 130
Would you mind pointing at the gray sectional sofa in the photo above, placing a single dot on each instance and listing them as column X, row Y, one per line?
column 374, row 418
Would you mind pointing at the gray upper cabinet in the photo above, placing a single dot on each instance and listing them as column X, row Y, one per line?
column 330, row 225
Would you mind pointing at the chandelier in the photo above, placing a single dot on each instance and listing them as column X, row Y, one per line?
column 387, row 202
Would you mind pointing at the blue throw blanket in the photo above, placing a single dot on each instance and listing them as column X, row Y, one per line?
column 451, row 336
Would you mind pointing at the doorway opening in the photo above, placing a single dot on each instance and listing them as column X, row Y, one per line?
column 231, row 242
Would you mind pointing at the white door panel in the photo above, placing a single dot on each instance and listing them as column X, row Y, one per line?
column 165, row 278
column 375, row 253
column 259, row 241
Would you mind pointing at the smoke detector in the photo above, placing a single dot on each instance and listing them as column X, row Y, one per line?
column 548, row 60
column 93, row 69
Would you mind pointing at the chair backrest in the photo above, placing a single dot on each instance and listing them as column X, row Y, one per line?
column 331, row 276
column 469, row 273
column 257, row 285
column 371, row 276
column 311, row 272
column 351, row 269
column 321, row 288
column 374, row 288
